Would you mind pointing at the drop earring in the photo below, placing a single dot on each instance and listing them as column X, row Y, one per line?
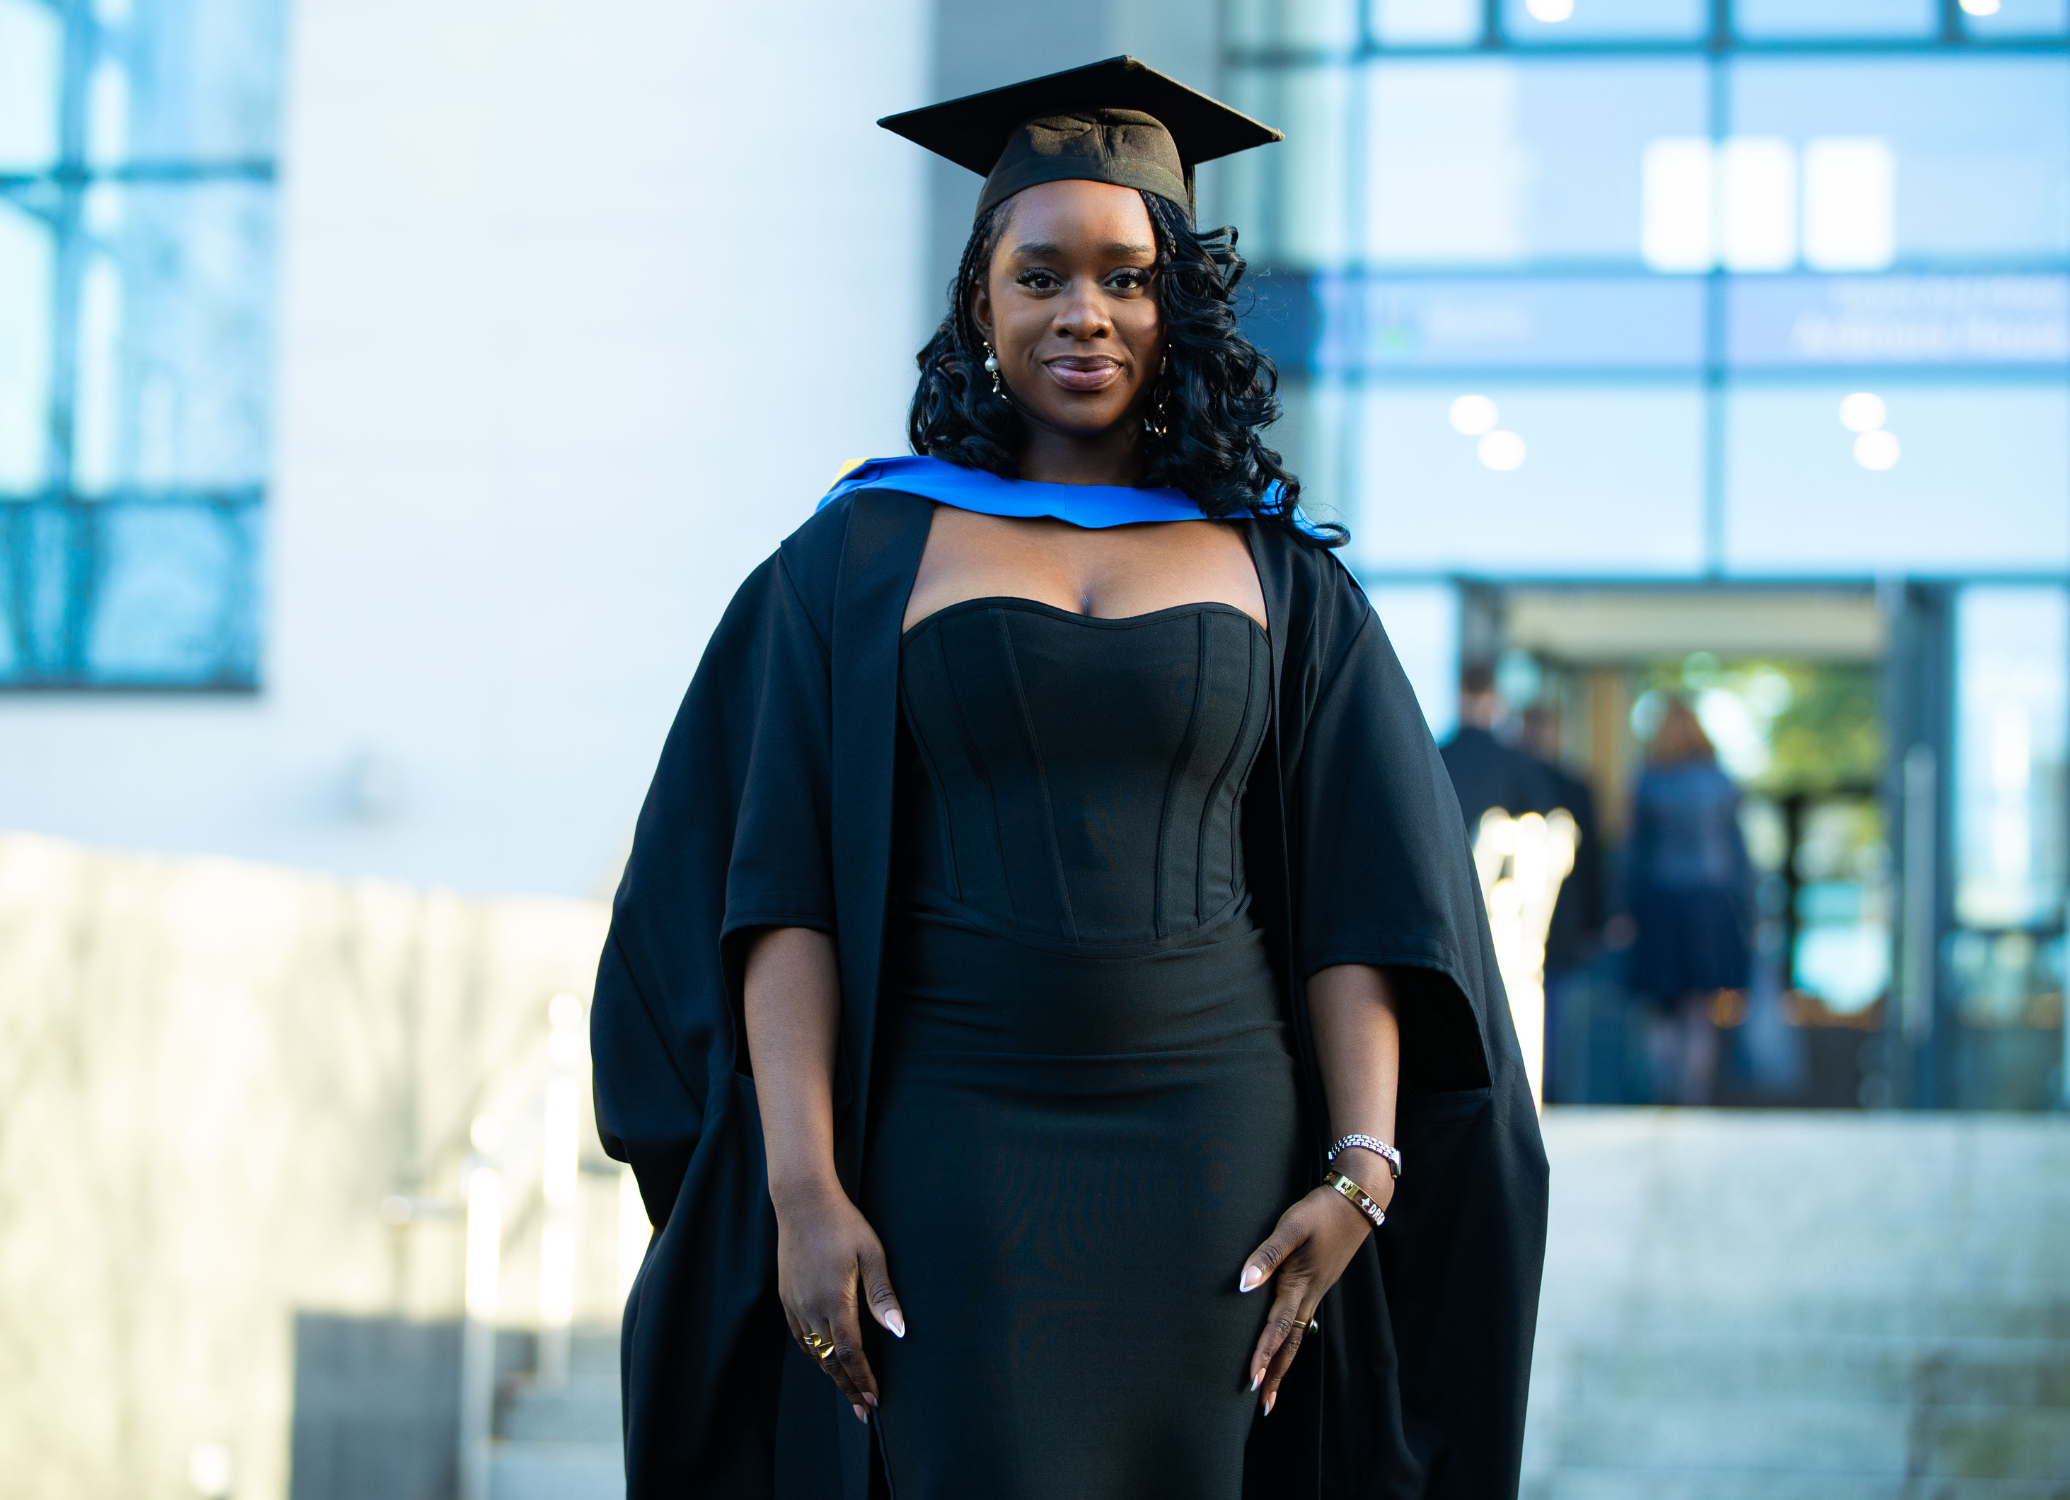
column 1157, row 421
column 992, row 369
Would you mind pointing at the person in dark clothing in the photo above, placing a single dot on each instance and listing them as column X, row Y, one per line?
column 1485, row 772
column 1577, row 919
column 1691, row 895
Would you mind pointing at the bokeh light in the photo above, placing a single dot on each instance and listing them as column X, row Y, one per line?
column 1501, row 451
column 1549, row 10
column 1864, row 411
column 1877, row 450
column 1473, row 415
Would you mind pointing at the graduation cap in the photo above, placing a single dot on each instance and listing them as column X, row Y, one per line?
column 1117, row 121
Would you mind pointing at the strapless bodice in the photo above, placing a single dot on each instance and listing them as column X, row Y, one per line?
column 1078, row 779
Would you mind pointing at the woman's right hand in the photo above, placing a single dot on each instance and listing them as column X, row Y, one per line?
column 829, row 1264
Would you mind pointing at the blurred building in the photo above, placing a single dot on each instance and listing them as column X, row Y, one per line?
column 392, row 392
column 1721, row 348
column 391, row 395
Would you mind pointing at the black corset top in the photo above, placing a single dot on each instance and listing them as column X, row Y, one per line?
column 1074, row 778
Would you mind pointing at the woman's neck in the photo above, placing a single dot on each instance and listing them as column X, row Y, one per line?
column 1111, row 457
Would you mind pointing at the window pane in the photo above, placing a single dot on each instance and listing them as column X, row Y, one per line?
column 1290, row 200
column 2012, row 703
column 1293, row 23
column 1591, row 20
column 25, row 292
column 31, row 58
column 1511, row 322
column 1531, row 480
column 1980, row 147
column 174, row 601
column 2020, row 18
column 1918, row 321
column 1502, row 163
column 188, row 80
column 1930, row 479
column 1426, row 23
column 1759, row 20
column 174, row 356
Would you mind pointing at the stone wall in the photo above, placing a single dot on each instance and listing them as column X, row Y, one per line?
column 213, row 1073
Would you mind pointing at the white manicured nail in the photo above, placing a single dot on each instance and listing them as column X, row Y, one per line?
column 1251, row 1277
column 896, row 1323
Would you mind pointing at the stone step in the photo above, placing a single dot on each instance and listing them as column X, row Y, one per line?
column 2033, row 1373
column 585, row 1410
column 1583, row 1484
column 1897, row 1311
column 557, row 1471
column 1809, row 1437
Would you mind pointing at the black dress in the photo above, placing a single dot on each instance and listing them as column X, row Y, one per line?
column 1087, row 1108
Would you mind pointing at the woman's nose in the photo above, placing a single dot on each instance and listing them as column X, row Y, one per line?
column 1083, row 318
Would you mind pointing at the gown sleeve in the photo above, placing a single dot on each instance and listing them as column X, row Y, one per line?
column 733, row 836
column 1382, row 873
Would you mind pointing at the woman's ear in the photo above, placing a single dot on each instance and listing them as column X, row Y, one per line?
column 981, row 307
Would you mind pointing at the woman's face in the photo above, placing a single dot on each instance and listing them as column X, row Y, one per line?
column 1070, row 307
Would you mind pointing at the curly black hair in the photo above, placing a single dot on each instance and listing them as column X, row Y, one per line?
column 1219, row 389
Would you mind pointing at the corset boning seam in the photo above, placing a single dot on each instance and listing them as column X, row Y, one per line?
column 1173, row 777
column 1034, row 748
column 1200, row 863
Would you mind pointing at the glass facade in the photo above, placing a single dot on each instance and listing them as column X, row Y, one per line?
column 1720, row 295
column 137, row 143
column 1758, row 208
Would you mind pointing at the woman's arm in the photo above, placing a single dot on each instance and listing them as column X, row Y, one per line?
column 825, row 1250
column 1358, row 1048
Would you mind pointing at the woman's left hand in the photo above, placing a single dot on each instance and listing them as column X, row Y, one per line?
column 1302, row 1258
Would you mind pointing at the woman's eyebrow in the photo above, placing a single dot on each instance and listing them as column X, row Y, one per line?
column 1045, row 247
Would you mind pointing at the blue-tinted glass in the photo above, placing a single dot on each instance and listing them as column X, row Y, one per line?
column 27, row 260
column 1498, row 162
column 1933, row 479
column 1761, row 20
column 174, row 601
column 1291, row 201
column 1291, row 23
column 31, row 57
column 1426, row 23
column 1918, row 321
column 1981, row 144
column 175, row 336
column 2019, row 18
column 1521, row 322
column 1542, row 481
column 1598, row 20
column 188, row 80
column 2012, row 702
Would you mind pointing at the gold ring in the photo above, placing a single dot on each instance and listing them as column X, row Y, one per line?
column 823, row 1349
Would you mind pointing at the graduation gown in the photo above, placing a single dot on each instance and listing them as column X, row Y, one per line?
column 772, row 806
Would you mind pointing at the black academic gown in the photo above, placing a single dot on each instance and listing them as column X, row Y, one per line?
column 772, row 806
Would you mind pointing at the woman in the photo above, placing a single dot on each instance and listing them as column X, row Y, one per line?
column 1048, row 870
column 1692, row 894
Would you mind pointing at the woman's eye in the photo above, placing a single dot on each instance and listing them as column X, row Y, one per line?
column 1040, row 281
column 1133, row 279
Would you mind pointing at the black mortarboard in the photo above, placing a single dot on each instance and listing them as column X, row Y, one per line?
column 1116, row 121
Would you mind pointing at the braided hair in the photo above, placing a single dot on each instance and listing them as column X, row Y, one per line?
column 1218, row 388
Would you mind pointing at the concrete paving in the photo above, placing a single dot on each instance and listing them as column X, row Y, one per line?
column 1827, row 1305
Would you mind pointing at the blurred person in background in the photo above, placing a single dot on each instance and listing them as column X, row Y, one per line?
column 1690, row 892
column 1485, row 772
column 1045, row 922
column 1577, row 919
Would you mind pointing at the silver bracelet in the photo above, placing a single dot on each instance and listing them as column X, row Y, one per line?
column 1381, row 1149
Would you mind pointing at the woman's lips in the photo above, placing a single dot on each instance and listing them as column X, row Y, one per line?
column 1083, row 373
